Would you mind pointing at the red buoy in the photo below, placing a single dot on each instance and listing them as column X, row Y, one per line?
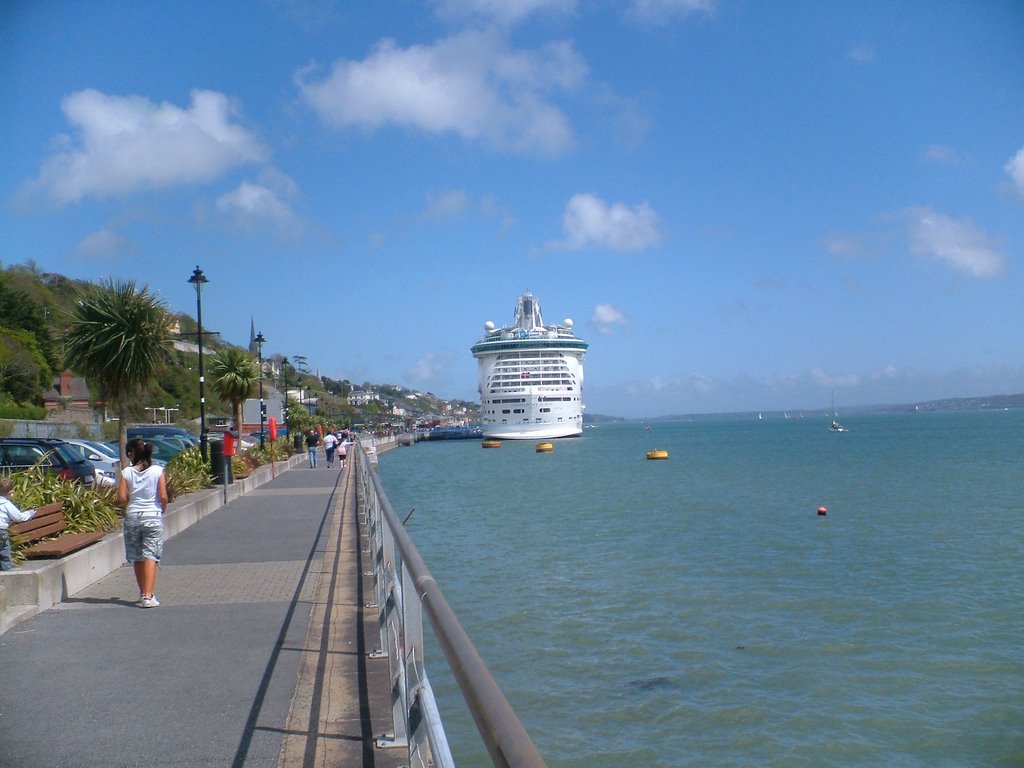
column 822, row 511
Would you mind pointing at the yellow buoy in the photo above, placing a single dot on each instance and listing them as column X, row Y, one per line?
column 657, row 454
column 544, row 448
column 491, row 443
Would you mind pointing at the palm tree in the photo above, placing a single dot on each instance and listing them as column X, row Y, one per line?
column 119, row 336
column 235, row 376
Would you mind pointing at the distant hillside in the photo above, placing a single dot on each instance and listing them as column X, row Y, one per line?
column 988, row 402
column 35, row 308
column 599, row 418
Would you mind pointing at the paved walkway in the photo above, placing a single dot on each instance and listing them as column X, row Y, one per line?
column 255, row 657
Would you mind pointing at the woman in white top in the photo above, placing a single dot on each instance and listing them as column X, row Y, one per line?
column 142, row 491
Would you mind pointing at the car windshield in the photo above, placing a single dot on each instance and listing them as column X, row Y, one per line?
column 79, row 451
column 105, row 450
column 71, row 453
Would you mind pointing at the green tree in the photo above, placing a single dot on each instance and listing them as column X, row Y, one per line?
column 119, row 336
column 24, row 372
column 235, row 376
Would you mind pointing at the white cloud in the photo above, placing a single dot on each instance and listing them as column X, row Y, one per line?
column 125, row 144
column 605, row 317
column 1015, row 169
column 844, row 246
column 430, row 367
column 831, row 380
column 662, row 10
column 862, row 54
column 589, row 221
column 491, row 208
column 253, row 206
column 938, row 153
column 105, row 244
column 957, row 243
column 446, row 204
column 500, row 11
column 471, row 84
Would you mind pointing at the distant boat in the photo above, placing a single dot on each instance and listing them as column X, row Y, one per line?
column 836, row 426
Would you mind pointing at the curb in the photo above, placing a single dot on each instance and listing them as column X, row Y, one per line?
column 40, row 585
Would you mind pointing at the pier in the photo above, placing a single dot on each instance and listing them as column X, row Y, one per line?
column 268, row 647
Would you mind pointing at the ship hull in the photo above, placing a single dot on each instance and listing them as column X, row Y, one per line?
column 530, row 431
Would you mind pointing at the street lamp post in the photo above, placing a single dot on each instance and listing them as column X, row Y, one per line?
column 284, row 410
column 197, row 280
column 263, row 409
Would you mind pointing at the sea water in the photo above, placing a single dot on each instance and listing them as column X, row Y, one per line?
column 699, row 611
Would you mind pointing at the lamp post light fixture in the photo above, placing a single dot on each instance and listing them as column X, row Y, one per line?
column 197, row 280
column 260, row 341
column 284, row 375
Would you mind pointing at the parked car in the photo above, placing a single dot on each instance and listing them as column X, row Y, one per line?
column 106, row 466
column 166, row 447
column 113, row 450
column 57, row 456
column 146, row 431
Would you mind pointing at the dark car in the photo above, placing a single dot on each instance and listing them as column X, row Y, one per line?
column 166, row 447
column 20, row 453
column 161, row 430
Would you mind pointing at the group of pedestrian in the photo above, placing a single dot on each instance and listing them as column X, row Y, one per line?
column 142, row 492
column 334, row 443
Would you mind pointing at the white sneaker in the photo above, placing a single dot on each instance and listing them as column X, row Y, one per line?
column 149, row 602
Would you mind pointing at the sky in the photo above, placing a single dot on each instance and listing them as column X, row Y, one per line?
column 743, row 206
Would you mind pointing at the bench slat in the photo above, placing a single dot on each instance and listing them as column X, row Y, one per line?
column 48, row 519
column 63, row 545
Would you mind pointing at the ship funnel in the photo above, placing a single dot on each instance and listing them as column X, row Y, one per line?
column 528, row 312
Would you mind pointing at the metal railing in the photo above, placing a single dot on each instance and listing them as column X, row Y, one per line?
column 404, row 590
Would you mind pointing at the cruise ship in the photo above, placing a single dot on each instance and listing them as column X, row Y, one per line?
column 530, row 377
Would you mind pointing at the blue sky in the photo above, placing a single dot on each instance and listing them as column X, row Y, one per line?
column 742, row 205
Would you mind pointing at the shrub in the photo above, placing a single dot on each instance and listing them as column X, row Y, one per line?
column 242, row 464
column 26, row 412
column 187, row 473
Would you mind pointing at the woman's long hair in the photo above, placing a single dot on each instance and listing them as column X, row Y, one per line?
column 139, row 452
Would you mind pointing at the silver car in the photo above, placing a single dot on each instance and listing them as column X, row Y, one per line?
column 98, row 454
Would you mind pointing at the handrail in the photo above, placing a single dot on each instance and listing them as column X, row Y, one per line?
column 504, row 736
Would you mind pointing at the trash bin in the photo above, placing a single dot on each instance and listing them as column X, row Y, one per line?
column 219, row 468
column 298, row 442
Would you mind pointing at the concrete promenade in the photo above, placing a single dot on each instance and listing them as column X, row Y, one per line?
column 257, row 655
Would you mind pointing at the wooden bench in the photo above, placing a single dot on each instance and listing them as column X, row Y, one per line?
column 47, row 521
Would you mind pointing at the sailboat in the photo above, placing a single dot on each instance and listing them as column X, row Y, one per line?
column 836, row 426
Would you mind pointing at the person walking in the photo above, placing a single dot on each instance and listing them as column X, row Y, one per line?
column 312, row 441
column 343, row 451
column 330, row 443
column 9, row 513
column 142, row 491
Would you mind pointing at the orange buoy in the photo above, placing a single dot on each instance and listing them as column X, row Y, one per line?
column 822, row 511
